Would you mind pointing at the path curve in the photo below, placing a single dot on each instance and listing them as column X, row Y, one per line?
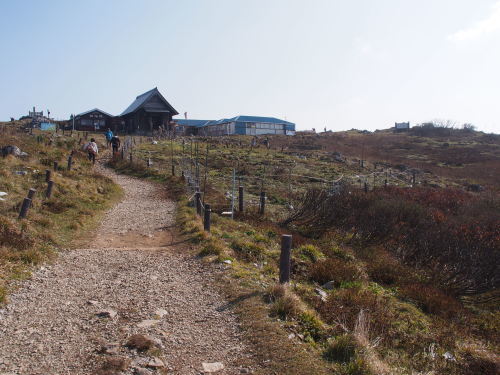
column 51, row 324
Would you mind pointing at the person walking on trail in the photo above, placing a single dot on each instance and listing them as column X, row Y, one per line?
column 115, row 143
column 109, row 136
column 92, row 150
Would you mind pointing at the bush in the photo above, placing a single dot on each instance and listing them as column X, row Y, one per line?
column 432, row 300
column 247, row 249
column 334, row 269
column 342, row 349
column 309, row 252
column 311, row 326
column 356, row 367
column 213, row 247
column 286, row 307
column 384, row 270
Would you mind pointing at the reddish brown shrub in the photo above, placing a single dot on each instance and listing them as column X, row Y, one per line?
column 333, row 269
column 432, row 300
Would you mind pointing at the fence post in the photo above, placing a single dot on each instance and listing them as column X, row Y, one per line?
column 31, row 193
column 173, row 170
column 130, row 158
column 56, row 165
column 50, row 185
column 197, row 197
column 285, row 265
column 262, row 209
column 24, row 208
column 70, row 162
column 48, row 174
column 206, row 220
column 366, row 187
column 240, row 199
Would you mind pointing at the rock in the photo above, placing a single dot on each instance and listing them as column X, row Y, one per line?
column 329, row 285
column 111, row 348
column 155, row 362
column 449, row 357
column 142, row 371
column 212, row 367
column 140, row 342
column 291, row 336
column 147, row 323
column 244, row 371
column 11, row 150
column 108, row 313
column 161, row 312
column 2, row 194
column 92, row 302
column 100, row 190
column 320, row 292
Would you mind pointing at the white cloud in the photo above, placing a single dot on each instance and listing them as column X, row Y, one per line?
column 484, row 27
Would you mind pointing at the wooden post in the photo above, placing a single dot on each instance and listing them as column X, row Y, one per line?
column 413, row 179
column 262, row 209
column 56, row 165
column 50, row 185
column 123, row 154
column 366, row 187
column 285, row 265
column 130, row 158
column 148, row 162
column 240, row 199
column 47, row 175
column 24, row 208
column 173, row 170
column 206, row 220
column 70, row 162
column 197, row 197
column 31, row 193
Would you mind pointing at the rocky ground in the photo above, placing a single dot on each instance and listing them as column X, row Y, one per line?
column 130, row 302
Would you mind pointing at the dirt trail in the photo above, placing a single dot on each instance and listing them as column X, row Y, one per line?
column 52, row 323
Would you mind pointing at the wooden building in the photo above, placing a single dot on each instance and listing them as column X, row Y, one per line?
column 93, row 120
column 149, row 112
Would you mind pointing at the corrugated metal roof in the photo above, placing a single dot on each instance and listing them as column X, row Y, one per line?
column 201, row 123
column 92, row 110
column 196, row 123
column 141, row 99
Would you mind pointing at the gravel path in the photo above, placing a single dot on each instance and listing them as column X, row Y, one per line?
column 62, row 321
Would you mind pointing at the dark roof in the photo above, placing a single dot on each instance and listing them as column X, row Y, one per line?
column 196, row 123
column 141, row 99
column 93, row 110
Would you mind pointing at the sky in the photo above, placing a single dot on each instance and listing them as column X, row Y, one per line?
column 338, row 64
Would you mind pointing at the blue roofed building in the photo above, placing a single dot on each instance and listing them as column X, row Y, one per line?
column 239, row 125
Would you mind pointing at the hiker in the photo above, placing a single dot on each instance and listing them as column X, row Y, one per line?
column 115, row 143
column 92, row 150
column 108, row 135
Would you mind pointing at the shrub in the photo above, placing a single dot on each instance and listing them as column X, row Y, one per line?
column 213, row 247
column 247, row 249
column 334, row 269
column 311, row 326
column 310, row 253
column 384, row 270
column 342, row 349
column 286, row 307
column 432, row 300
column 356, row 367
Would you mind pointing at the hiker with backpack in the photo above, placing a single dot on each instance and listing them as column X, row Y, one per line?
column 92, row 150
column 115, row 143
column 109, row 136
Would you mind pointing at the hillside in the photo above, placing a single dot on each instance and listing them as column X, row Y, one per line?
column 387, row 278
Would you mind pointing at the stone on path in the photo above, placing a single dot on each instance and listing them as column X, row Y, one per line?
column 212, row 367
column 108, row 313
column 147, row 323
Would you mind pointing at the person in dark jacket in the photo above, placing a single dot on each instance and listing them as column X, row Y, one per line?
column 115, row 143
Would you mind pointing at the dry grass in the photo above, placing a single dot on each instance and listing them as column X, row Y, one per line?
column 140, row 342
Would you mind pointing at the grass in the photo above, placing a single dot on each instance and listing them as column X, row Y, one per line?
column 79, row 198
column 404, row 315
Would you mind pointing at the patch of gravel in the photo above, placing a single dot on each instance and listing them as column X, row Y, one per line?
column 52, row 324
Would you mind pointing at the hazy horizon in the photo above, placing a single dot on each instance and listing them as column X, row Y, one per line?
column 334, row 64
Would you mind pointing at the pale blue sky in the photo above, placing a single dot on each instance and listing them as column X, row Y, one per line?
column 341, row 64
